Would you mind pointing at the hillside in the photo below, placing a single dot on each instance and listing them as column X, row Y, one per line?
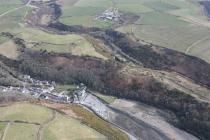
column 63, row 41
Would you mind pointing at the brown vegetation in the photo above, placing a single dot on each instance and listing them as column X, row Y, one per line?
column 88, row 118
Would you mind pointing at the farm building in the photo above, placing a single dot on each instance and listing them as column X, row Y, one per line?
column 111, row 14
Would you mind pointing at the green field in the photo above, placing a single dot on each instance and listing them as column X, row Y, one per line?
column 13, row 20
column 168, row 31
column 71, row 43
column 12, row 14
column 2, row 127
column 83, row 12
column 201, row 49
column 25, row 121
column 11, row 2
column 21, row 132
column 106, row 98
column 93, row 3
column 134, row 8
column 83, row 16
column 9, row 49
column 63, row 128
column 60, row 88
column 3, row 39
column 25, row 112
column 6, row 7
column 175, row 24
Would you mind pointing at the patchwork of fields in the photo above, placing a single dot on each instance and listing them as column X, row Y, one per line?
column 180, row 25
column 12, row 13
column 37, row 122
column 72, row 43
column 177, row 24
column 14, row 23
column 82, row 12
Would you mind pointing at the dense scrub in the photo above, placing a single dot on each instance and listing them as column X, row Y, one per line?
column 150, row 56
column 155, row 57
column 194, row 116
column 8, row 76
column 98, row 124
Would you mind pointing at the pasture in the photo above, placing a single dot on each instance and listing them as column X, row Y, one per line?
column 93, row 3
column 168, row 31
column 175, row 24
column 38, row 121
column 21, row 132
column 83, row 12
column 106, row 98
column 71, row 43
column 63, row 128
column 12, row 13
column 133, row 8
column 60, row 88
column 9, row 49
column 201, row 49
column 11, row 2
column 25, row 112
column 172, row 24
column 83, row 16
column 2, row 127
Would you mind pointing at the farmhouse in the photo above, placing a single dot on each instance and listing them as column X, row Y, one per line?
column 111, row 14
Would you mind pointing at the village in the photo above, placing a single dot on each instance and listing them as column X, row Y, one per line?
column 45, row 90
